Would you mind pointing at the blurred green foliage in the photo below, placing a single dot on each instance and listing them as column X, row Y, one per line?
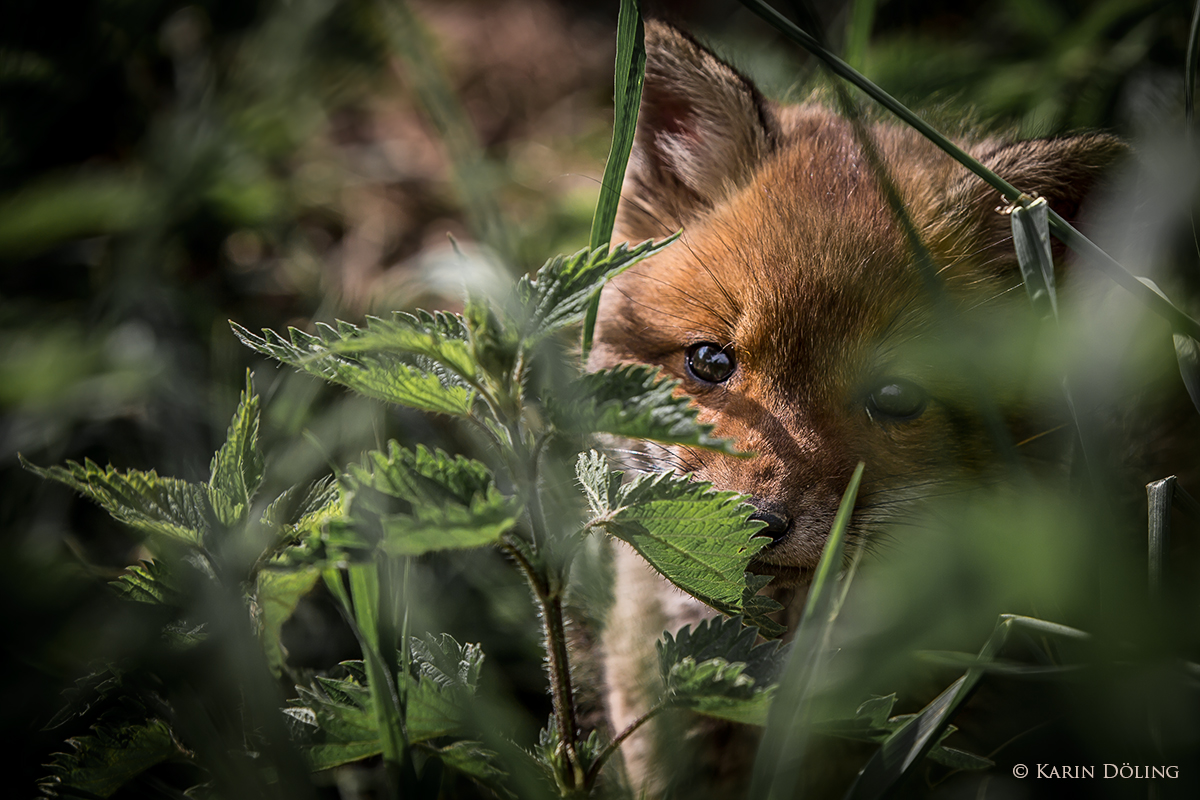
column 166, row 166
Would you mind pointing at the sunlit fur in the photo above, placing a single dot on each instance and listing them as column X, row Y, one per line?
column 792, row 258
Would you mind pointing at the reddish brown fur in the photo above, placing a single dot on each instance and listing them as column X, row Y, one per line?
column 792, row 258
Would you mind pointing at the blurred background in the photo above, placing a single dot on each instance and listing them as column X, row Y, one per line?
column 166, row 167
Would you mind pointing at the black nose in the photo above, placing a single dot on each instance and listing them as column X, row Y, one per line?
column 775, row 515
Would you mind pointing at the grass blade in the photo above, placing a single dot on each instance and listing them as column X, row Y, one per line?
column 778, row 764
column 630, row 74
column 364, row 589
column 858, row 32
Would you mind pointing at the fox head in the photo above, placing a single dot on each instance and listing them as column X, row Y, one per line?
column 794, row 310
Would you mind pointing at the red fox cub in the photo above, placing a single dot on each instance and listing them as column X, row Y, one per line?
column 793, row 312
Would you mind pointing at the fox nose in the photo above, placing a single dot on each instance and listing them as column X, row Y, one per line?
column 775, row 515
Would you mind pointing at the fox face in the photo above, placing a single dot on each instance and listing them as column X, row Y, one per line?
column 807, row 324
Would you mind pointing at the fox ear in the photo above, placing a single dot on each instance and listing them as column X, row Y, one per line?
column 702, row 130
column 1063, row 170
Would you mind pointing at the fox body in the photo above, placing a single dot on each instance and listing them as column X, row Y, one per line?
column 793, row 311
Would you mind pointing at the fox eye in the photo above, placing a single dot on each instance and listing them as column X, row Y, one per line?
column 896, row 400
column 710, row 363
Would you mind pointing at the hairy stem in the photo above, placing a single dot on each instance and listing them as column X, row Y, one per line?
column 612, row 747
column 549, row 595
column 561, row 690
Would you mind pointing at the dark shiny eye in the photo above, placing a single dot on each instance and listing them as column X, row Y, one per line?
column 710, row 363
column 896, row 400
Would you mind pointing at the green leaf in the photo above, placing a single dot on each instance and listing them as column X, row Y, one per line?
column 166, row 507
column 716, row 669
column 300, row 508
column 700, row 539
column 473, row 760
column 438, row 336
column 758, row 608
column 237, row 468
column 335, row 720
column 391, row 363
column 104, row 762
column 335, row 717
column 148, row 582
column 421, row 501
column 277, row 594
column 446, row 677
column 632, row 401
column 558, row 295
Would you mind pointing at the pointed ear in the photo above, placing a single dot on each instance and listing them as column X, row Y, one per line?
column 702, row 130
column 1064, row 171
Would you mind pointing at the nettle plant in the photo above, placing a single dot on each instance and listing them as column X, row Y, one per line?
column 501, row 369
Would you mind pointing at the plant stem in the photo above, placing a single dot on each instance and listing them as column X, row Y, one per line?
column 606, row 753
column 561, row 691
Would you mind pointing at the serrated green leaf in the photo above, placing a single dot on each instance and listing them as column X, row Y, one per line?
column 438, row 336
column 236, row 471
column 447, row 675
column 757, row 609
column 104, row 762
column 335, row 721
column 446, row 662
column 716, row 669
column 632, row 401
column 421, row 500
column 558, row 295
column 335, row 716
column 303, row 507
column 723, row 637
column 405, row 376
column 277, row 594
column 147, row 582
column 158, row 506
column 473, row 760
column 700, row 539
